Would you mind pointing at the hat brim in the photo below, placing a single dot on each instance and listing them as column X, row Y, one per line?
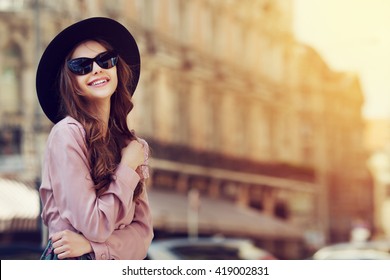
column 53, row 57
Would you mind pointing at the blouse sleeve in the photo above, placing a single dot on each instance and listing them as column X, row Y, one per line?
column 132, row 241
column 73, row 188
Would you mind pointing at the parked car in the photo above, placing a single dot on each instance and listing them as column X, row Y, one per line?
column 207, row 249
column 364, row 250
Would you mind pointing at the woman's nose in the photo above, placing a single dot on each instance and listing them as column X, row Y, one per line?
column 96, row 68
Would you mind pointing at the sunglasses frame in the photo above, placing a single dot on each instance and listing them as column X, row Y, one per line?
column 84, row 65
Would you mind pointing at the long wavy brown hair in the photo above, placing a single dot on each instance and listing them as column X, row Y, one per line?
column 104, row 149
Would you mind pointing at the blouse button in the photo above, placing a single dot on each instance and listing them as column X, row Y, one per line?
column 104, row 257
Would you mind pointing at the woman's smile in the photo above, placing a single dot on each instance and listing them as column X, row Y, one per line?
column 99, row 82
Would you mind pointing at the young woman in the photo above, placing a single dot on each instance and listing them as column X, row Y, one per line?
column 94, row 200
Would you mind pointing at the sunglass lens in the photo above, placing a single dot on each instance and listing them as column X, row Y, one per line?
column 80, row 66
column 107, row 60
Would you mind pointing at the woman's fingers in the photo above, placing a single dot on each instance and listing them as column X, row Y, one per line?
column 62, row 253
column 57, row 244
column 60, row 249
column 69, row 244
column 57, row 236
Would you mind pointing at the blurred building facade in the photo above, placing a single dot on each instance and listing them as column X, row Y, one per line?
column 377, row 142
column 231, row 104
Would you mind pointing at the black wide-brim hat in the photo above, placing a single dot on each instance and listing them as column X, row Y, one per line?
column 53, row 57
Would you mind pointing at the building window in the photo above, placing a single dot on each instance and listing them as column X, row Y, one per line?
column 10, row 95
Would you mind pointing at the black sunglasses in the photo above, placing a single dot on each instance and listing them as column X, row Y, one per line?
column 84, row 65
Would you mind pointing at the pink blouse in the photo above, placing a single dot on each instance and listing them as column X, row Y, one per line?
column 116, row 226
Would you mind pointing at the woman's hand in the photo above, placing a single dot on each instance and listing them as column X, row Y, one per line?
column 133, row 154
column 69, row 244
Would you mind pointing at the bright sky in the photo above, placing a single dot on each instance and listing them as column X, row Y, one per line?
column 351, row 35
